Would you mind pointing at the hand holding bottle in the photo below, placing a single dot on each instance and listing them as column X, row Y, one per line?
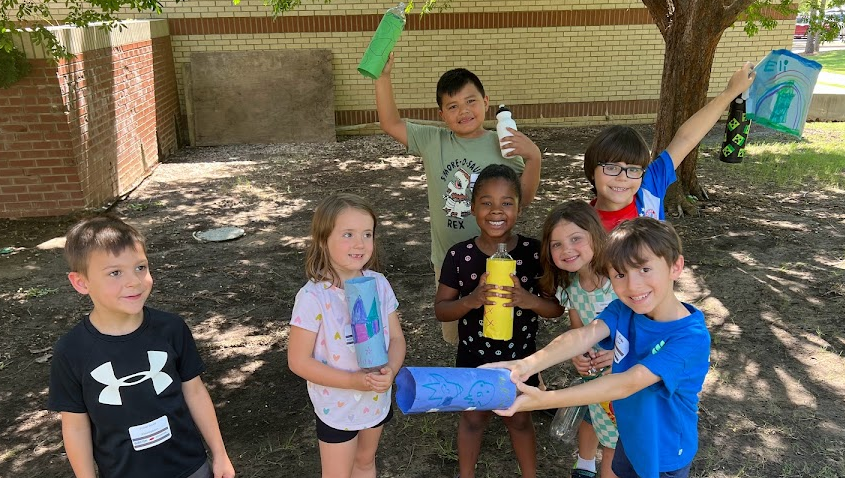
column 480, row 296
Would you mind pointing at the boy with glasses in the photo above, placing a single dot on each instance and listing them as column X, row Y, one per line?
column 618, row 162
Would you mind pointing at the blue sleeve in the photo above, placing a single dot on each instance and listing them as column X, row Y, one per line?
column 659, row 175
column 681, row 356
column 610, row 316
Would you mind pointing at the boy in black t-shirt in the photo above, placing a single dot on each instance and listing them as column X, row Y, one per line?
column 126, row 378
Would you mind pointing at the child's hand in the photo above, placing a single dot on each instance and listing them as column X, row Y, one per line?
column 519, row 369
column 518, row 296
column 479, row 297
column 521, row 144
column 529, row 398
column 388, row 67
column 582, row 364
column 382, row 380
column 222, row 467
column 601, row 359
column 741, row 80
column 360, row 381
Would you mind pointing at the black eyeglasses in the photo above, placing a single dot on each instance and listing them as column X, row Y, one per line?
column 612, row 169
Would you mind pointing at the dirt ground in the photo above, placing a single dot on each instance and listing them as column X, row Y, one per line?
column 765, row 264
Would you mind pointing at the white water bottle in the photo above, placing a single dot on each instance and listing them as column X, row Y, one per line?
column 503, row 115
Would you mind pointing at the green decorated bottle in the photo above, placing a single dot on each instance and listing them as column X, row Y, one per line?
column 385, row 37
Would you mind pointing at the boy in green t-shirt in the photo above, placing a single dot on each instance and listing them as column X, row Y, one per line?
column 453, row 157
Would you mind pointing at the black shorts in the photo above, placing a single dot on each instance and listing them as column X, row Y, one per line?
column 466, row 358
column 328, row 434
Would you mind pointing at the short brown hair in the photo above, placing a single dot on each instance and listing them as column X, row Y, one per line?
column 616, row 144
column 584, row 216
column 318, row 266
column 626, row 244
column 100, row 233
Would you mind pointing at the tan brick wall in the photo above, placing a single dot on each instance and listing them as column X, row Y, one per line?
column 527, row 52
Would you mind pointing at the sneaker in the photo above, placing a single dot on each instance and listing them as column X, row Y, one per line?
column 579, row 473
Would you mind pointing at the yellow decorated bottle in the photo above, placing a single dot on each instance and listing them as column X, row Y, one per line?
column 498, row 319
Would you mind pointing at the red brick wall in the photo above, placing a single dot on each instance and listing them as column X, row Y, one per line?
column 83, row 133
column 38, row 174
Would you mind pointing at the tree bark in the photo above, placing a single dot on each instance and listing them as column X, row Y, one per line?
column 691, row 31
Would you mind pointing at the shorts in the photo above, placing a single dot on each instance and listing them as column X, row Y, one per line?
column 203, row 472
column 624, row 469
column 468, row 359
column 328, row 434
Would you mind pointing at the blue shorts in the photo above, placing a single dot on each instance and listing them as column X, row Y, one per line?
column 328, row 434
column 623, row 468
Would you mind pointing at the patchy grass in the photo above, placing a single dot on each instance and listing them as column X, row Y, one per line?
column 832, row 61
column 794, row 163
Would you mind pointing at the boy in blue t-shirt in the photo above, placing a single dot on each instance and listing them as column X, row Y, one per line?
column 618, row 162
column 661, row 355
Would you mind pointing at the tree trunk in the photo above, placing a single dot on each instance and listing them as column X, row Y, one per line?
column 691, row 30
column 810, row 46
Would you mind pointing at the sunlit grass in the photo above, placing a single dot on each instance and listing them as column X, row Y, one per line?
column 819, row 159
column 832, row 61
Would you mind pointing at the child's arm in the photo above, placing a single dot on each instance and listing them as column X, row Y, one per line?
column 592, row 361
column 76, row 433
column 603, row 389
column 388, row 113
column 698, row 125
column 202, row 411
column 382, row 381
column 301, row 361
column 543, row 306
column 564, row 347
column 449, row 307
column 529, row 181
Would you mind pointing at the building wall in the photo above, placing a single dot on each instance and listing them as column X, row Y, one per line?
column 554, row 61
column 91, row 128
column 38, row 174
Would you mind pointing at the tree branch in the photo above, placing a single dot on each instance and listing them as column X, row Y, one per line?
column 660, row 13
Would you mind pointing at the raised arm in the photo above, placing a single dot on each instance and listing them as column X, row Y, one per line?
column 388, row 113
column 530, row 152
column 202, row 411
column 76, row 433
column 698, row 125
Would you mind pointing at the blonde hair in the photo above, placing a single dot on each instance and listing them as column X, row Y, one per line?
column 104, row 233
column 584, row 216
column 318, row 265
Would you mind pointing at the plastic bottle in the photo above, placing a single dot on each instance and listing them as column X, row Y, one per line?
column 566, row 421
column 385, row 37
column 498, row 319
column 503, row 115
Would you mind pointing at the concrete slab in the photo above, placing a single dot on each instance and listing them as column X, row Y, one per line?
column 254, row 97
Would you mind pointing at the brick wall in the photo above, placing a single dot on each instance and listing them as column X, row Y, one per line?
column 38, row 174
column 554, row 61
column 85, row 131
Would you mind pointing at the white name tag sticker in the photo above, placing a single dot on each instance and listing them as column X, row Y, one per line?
column 599, row 306
column 620, row 350
column 150, row 434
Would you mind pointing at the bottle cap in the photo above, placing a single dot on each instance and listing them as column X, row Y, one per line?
column 502, row 108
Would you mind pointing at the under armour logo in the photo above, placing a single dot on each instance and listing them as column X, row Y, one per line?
column 111, row 394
